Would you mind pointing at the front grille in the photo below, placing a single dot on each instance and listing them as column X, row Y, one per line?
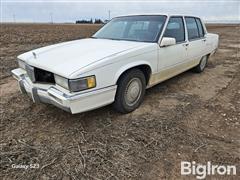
column 43, row 76
column 40, row 75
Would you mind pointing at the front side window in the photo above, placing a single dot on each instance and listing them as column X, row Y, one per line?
column 175, row 29
column 133, row 28
column 192, row 28
column 200, row 27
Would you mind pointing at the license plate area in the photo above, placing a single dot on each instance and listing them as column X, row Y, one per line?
column 32, row 93
column 35, row 96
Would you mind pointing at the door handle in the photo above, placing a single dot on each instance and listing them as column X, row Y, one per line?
column 186, row 44
column 204, row 40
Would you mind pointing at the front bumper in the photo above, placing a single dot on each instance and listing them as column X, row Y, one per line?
column 74, row 103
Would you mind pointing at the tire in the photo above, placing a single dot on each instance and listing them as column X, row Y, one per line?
column 202, row 64
column 130, row 92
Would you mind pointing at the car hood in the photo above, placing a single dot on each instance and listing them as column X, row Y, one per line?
column 69, row 57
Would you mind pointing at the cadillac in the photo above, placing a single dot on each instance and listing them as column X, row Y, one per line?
column 117, row 64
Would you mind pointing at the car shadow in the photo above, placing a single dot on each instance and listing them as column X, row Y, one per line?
column 107, row 111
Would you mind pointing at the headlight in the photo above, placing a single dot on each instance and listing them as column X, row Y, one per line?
column 75, row 85
column 82, row 83
column 61, row 81
column 21, row 64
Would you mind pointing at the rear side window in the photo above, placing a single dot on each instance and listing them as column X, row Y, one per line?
column 200, row 27
column 192, row 28
column 175, row 29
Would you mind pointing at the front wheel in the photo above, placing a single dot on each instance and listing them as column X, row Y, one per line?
column 202, row 64
column 130, row 91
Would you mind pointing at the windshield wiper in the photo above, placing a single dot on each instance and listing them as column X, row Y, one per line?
column 106, row 38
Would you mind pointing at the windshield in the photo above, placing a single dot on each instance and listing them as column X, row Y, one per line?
column 132, row 28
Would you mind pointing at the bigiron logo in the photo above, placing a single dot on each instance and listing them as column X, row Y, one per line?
column 201, row 171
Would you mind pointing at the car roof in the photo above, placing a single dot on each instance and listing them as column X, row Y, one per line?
column 157, row 14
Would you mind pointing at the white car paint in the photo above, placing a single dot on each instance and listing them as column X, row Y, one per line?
column 107, row 60
column 66, row 58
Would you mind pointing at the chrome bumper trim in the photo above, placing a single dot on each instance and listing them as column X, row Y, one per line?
column 73, row 103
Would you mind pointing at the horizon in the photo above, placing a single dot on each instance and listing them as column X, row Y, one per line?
column 55, row 23
column 26, row 11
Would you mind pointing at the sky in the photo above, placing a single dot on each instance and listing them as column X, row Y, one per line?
column 60, row 11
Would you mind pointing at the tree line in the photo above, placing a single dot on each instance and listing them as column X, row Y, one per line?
column 91, row 21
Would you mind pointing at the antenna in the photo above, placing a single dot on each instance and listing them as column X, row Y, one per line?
column 51, row 17
column 109, row 15
column 14, row 18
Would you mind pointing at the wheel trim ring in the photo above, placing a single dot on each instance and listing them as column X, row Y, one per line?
column 133, row 91
column 203, row 63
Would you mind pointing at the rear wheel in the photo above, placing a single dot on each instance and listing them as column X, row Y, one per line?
column 202, row 64
column 130, row 91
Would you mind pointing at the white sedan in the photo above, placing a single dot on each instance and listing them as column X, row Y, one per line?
column 117, row 64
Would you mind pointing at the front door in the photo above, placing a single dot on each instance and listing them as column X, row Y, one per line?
column 172, row 58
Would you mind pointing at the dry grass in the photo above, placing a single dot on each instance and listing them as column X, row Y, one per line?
column 192, row 117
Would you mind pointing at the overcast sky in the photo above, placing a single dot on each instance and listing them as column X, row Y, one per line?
column 70, row 11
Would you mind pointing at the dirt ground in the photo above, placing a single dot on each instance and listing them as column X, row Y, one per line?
column 192, row 117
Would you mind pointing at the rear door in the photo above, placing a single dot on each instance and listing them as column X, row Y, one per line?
column 202, row 35
column 196, row 39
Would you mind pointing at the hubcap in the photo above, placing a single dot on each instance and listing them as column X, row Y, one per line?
column 203, row 63
column 133, row 91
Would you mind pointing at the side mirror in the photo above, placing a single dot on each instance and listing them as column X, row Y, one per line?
column 167, row 41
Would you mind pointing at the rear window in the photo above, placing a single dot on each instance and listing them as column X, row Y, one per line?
column 192, row 28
